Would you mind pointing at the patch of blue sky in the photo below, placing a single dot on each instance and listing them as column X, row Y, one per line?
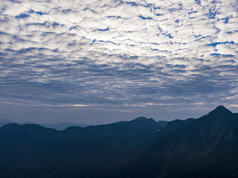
column 22, row 16
column 218, row 43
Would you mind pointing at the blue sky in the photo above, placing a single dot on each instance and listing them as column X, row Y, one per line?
column 99, row 61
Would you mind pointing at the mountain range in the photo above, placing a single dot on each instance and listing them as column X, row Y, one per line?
column 202, row 147
column 57, row 126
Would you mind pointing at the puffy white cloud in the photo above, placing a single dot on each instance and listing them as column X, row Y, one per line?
column 115, row 51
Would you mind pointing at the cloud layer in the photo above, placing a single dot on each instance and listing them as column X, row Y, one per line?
column 120, row 55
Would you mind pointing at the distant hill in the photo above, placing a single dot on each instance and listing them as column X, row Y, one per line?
column 62, row 126
column 57, row 126
column 4, row 122
column 34, row 151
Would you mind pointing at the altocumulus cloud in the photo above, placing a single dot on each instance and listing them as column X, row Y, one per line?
column 124, row 55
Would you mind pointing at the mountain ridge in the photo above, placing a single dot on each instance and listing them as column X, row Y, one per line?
column 137, row 148
column 220, row 110
column 190, row 149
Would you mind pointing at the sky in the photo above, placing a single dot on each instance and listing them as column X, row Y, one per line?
column 101, row 61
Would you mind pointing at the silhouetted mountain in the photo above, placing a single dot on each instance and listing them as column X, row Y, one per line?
column 62, row 126
column 176, row 124
column 220, row 111
column 34, row 151
column 141, row 118
column 4, row 122
column 204, row 147
column 162, row 124
column 57, row 126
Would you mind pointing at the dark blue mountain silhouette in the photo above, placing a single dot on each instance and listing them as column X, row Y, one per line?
column 203, row 147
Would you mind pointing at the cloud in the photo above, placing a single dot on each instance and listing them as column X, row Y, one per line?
column 118, row 54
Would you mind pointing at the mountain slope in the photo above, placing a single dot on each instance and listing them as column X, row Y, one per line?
column 4, row 122
column 34, row 151
column 205, row 147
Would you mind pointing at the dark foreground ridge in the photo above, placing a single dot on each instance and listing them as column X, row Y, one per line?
column 203, row 147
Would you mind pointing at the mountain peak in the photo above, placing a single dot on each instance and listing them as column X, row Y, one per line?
column 141, row 118
column 221, row 110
